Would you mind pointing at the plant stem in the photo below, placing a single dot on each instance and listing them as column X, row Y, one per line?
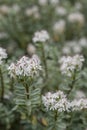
column 2, row 85
column 71, row 88
column 72, row 85
column 44, row 61
column 27, row 91
column 70, row 122
column 55, row 118
column 12, row 85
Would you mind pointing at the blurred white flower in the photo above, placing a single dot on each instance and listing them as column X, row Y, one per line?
column 25, row 67
column 3, row 35
column 3, row 55
column 80, row 94
column 41, row 36
column 59, row 27
column 83, row 42
column 31, row 49
column 78, row 5
column 72, row 47
column 33, row 11
column 16, row 8
column 4, row 9
column 77, row 105
column 54, row 2
column 56, row 101
column 43, row 2
column 12, row 69
column 70, row 64
column 76, row 17
column 61, row 11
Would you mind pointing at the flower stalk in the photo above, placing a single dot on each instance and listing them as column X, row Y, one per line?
column 2, row 85
column 44, row 61
column 27, row 91
column 72, row 84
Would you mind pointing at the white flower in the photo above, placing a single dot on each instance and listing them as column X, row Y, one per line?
column 76, row 17
column 12, row 69
column 72, row 47
column 3, row 55
column 61, row 11
column 77, row 105
column 31, row 49
column 33, row 11
column 59, row 27
column 54, row 2
column 3, row 35
column 16, row 8
column 78, row 5
column 79, row 94
column 25, row 67
column 70, row 64
column 43, row 2
column 56, row 101
column 41, row 36
column 83, row 42
column 4, row 9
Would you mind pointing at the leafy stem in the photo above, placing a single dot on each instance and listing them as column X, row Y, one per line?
column 72, row 83
column 27, row 91
column 2, row 85
column 44, row 61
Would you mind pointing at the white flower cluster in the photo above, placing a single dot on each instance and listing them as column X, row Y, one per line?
column 3, row 35
column 79, row 94
column 42, row 2
column 75, row 46
column 33, row 11
column 25, row 67
column 77, row 105
column 78, row 6
column 76, row 17
column 45, row 2
column 70, row 64
column 54, row 2
column 16, row 8
column 56, row 101
column 4, row 9
column 83, row 42
column 60, row 10
column 59, row 26
column 41, row 36
column 3, row 55
column 71, row 47
column 31, row 49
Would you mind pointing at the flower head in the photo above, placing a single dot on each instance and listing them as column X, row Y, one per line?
column 72, row 47
column 77, row 105
column 41, row 36
column 61, row 11
column 76, row 18
column 59, row 27
column 43, row 2
column 56, row 101
column 70, row 64
column 3, row 55
column 54, row 2
column 25, row 67
column 33, row 11
column 31, row 49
